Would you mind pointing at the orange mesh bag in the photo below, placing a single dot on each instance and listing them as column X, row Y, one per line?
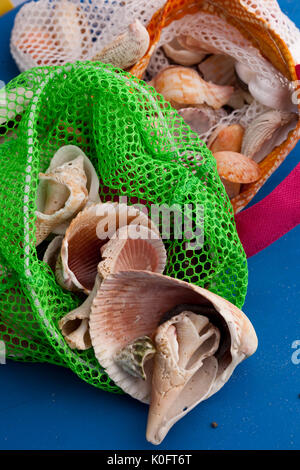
column 256, row 34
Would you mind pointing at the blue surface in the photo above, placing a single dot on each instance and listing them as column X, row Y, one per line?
column 47, row 407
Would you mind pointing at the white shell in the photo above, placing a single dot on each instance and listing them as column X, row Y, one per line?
column 127, row 49
column 70, row 175
column 66, row 154
column 181, row 56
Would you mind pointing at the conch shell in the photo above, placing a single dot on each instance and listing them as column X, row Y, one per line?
column 182, row 56
column 276, row 94
column 183, row 86
column 215, row 336
column 61, row 195
column 76, row 267
column 264, row 133
column 69, row 153
column 202, row 119
column 227, row 138
column 127, row 49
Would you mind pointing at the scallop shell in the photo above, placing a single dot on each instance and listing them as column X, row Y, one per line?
column 183, row 86
column 130, row 305
column 66, row 154
column 203, row 118
column 52, row 252
column 127, row 49
column 263, row 130
column 125, row 251
column 75, row 325
column 70, row 177
column 181, row 56
column 218, row 69
column 87, row 234
column 237, row 168
column 226, row 138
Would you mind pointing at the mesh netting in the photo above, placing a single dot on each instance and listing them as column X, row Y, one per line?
column 141, row 148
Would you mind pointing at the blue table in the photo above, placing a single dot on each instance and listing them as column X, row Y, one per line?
column 48, row 407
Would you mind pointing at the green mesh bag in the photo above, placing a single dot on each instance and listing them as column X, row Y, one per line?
column 142, row 149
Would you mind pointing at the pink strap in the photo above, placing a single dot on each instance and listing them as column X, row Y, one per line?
column 269, row 219
column 262, row 224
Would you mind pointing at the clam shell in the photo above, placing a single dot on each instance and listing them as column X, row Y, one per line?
column 70, row 175
column 181, row 56
column 182, row 86
column 226, row 138
column 132, row 304
column 237, row 168
column 127, row 49
column 218, row 69
column 262, row 130
column 66, row 154
column 86, row 235
column 202, row 119
column 125, row 251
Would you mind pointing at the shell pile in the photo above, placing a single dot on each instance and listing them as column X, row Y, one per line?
column 163, row 341
column 207, row 88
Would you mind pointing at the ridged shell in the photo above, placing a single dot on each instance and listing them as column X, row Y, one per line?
column 70, row 177
column 202, row 119
column 127, row 49
column 181, row 56
column 132, row 304
column 261, row 131
column 183, row 86
column 86, row 235
column 125, row 251
column 218, row 69
column 237, row 168
column 66, row 154
column 226, row 138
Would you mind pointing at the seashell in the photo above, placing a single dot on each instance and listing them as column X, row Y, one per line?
column 127, row 49
column 192, row 44
column 133, row 304
column 69, row 176
column 203, row 118
column 186, row 347
column 75, row 325
column 66, row 154
column 237, row 168
column 239, row 99
column 232, row 189
column 81, row 248
column 181, row 56
column 218, row 69
column 183, row 86
column 226, row 138
column 52, row 252
column 274, row 94
column 260, row 137
column 133, row 357
column 124, row 251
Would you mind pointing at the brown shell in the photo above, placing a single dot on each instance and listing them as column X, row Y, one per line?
column 237, row 168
